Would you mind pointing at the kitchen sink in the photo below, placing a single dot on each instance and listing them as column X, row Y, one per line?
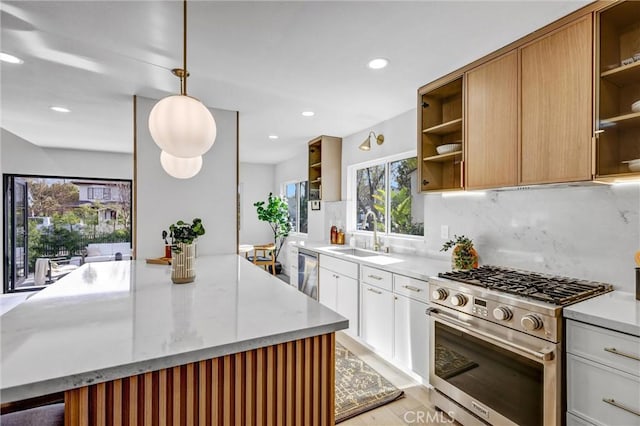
column 356, row 252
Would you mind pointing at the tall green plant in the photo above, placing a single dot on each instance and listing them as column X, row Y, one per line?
column 276, row 213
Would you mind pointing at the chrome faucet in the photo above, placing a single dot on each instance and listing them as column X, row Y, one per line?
column 376, row 244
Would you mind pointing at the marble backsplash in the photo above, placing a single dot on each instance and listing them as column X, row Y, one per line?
column 587, row 232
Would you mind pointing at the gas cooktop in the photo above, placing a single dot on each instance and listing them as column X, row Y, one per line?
column 551, row 289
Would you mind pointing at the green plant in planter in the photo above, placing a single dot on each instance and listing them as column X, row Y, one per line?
column 276, row 213
column 464, row 255
column 182, row 232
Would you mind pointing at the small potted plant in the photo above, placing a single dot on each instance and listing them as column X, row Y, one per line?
column 464, row 255
column 183, row 236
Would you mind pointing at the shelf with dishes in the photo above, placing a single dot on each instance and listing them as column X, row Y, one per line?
column 440, row 135
column 623, row 75
column 618, row 89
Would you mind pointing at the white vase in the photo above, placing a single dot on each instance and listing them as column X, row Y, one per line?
column 183, row 264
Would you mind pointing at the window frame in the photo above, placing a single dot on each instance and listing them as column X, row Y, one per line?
column 352, row 201
column 283, row 192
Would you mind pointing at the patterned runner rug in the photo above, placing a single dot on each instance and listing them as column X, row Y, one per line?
column 359, row 387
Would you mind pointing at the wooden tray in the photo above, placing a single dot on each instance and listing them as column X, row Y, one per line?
column 160, row 261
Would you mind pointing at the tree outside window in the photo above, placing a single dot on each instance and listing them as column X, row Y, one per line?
column 297, row 195
column 389, row 191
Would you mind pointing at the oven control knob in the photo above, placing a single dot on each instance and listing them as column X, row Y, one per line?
column 502, row 313
column 439, row 294
column 459, row 300
column 531, row 322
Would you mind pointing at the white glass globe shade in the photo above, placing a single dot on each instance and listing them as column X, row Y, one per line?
column 180, row 168
column 182, row 126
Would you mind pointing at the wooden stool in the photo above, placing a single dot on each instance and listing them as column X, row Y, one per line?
column 264, row 255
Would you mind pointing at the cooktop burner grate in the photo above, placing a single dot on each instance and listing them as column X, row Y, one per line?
column 547, row 288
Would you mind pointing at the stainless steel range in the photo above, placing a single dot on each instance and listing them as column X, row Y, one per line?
column 496, row 344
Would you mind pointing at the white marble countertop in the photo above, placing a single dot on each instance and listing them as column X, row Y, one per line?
column 617, row 310
column 419, row 267
column 115, row 319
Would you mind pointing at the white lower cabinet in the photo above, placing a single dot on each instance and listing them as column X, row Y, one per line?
column 328, row 288
column 603, row 376
column 339, row 290
column 411, row 335
column 376, row 327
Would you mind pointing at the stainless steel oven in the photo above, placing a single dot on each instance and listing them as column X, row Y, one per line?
column 496, row 344
column 501, row 376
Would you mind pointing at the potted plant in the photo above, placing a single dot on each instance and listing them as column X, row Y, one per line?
column 183, row 236
column 464, row 255
column 276, row 213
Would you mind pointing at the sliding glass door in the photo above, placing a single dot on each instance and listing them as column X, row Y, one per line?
column 17, row 239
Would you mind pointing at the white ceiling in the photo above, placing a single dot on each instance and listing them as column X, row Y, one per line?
column 268, row 60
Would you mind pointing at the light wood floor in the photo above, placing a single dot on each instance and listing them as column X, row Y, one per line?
column 410, row 410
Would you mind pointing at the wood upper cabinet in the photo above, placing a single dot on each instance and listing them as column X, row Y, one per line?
column 557, row 102
column 325, row 164
column 492, row 117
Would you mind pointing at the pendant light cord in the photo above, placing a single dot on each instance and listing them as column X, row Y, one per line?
column 184, row 47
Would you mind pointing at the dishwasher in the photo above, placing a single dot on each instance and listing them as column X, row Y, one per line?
column 308, row 273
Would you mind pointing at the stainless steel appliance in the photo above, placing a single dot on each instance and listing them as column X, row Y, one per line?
column 496, row 344
column 308, row 273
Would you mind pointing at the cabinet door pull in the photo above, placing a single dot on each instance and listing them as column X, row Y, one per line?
column 624, row 354
column 412, row 288
column 375, row 277
column 374, row 291
column 613, row 402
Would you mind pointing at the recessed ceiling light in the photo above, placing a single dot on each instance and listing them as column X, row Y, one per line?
column 308, row 113
column 273, row 136
column 378, row 63
column 5, row 57
column 59, row 109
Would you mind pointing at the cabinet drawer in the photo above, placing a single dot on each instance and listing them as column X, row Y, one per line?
column 573, row 420
column 410, row 287
column 342, row 267
column 377, row 277
column 590, row 384
column 611, row 348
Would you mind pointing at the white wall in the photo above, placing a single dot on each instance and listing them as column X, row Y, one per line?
column 256, row 182
column 210, row 195
column 22, row 157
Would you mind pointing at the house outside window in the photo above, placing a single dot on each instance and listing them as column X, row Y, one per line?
column 385, row 192
column 297, row 196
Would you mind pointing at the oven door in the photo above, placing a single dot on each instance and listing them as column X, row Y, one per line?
column 502, row 376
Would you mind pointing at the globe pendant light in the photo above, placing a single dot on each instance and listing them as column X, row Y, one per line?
column 180, row 168
column 180, row 124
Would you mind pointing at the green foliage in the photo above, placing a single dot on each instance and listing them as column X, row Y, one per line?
column 464, row 256
column 45, row 199
column 182, row 232
column 276, row 213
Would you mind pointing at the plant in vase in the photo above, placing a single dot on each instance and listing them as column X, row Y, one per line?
column 183, row 236
column 464, row 255
column 276, row 213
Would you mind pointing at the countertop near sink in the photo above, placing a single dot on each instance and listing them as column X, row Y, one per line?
column 419, row 267
column 617, row 310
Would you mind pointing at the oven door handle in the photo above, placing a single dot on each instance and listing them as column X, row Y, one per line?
column 546, row 354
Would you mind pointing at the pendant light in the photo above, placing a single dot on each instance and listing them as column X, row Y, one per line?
column 180, row 124
column 180, row 168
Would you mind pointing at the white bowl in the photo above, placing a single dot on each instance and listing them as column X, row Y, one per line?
column 450, row 147
column 635, row 107
column 634, row 165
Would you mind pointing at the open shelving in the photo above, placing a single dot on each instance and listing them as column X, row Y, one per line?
column 325, row 161
column 441, row 122
column 618, row 87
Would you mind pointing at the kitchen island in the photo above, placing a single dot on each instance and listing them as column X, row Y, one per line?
column 124, row 344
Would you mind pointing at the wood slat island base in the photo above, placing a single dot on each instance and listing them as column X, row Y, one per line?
column 285, row 384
